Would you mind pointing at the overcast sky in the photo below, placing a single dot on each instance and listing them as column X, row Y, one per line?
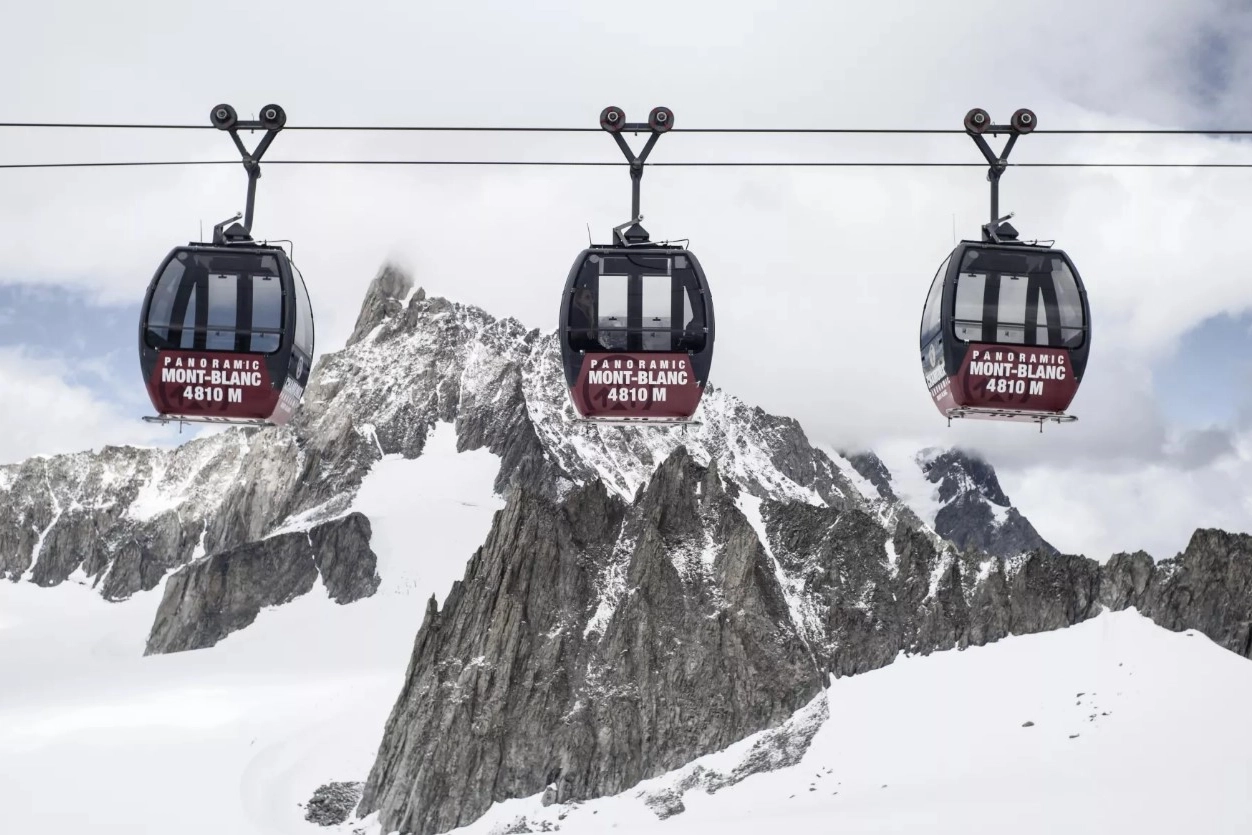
column 818, row 275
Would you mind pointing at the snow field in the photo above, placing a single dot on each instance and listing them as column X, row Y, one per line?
column 96, row 738
column 936, row 744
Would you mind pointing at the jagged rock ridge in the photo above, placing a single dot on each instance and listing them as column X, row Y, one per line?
column 594, row 644
column 123, row 518
column 645, row 597
column 972, row 510
column 540, row 669
column 214, row 596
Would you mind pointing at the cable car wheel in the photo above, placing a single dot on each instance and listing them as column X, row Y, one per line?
column 636, row 319
column 1006, row 327
column 226, row 329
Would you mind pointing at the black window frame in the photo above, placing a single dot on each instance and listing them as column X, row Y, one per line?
column 1037, row 292
column 685, row 291
column 191, row 291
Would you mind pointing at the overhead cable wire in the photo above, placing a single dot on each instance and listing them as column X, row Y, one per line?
column 542, row 129
column 599, row 163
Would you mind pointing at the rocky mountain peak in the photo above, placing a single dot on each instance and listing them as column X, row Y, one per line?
column 872, row 469
column 644, row 597
column 125, row 518
column 961, row 471
column 596, row 617
column 386, row 295
column 609, row 647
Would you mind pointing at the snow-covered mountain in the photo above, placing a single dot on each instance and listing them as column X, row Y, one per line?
column 122, row 518
column 639, row 599
column 956, row 494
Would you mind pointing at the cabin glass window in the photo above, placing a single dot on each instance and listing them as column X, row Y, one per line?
column 223, row 292
column 932, row 312
column 612, row 309
column 304, row 315
column 967, row 319
column 1068, row 303
column 657, row 312
column 187, row 333
column 267, row 313
column 198, row 305
column 635, row 302
column 1011, row 310
column 1036, row 304
column 161, row 308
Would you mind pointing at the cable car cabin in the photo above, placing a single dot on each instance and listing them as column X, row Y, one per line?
column 636, row 334
column 226, row 335
column 1005, row 333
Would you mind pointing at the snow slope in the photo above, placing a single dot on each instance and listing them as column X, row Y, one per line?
column 908, row 482
column 1136, row 729
column 96, row 738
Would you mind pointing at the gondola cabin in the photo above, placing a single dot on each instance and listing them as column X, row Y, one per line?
column 636, row 333
column 1005, row 334
column 226, row 335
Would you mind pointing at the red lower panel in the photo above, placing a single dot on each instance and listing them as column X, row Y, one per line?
column 636, row 386
column 1020, row 378
column 223, row 385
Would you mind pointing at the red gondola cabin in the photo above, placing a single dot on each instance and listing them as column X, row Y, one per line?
column 226, row 335
column 636, row 333
column 1005, row 332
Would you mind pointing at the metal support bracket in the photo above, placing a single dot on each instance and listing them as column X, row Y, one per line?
column 613, row 120
column 993, row 413
column 977, row 123
column 183, row 420
column 273, row 118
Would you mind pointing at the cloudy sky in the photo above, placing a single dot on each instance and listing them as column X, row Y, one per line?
column 818, row 274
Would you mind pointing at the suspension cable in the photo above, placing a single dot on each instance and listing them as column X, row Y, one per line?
column 598, row 163
column 519, row 129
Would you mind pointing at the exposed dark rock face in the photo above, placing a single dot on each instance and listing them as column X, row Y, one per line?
column 606, row 674
column 211, row 598
column 958, row 472
column 126, row 517
column 1124, row 580
column 332, row 803
column 972, row 500
column 341, row 552
column 1208, row 587
column 577, row 652
column 875, row 594
column 873, row 470
column 384, row 298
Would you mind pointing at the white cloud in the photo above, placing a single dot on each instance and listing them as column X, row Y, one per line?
column 818, row 274
column 45, row 415
column 1153, row 507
